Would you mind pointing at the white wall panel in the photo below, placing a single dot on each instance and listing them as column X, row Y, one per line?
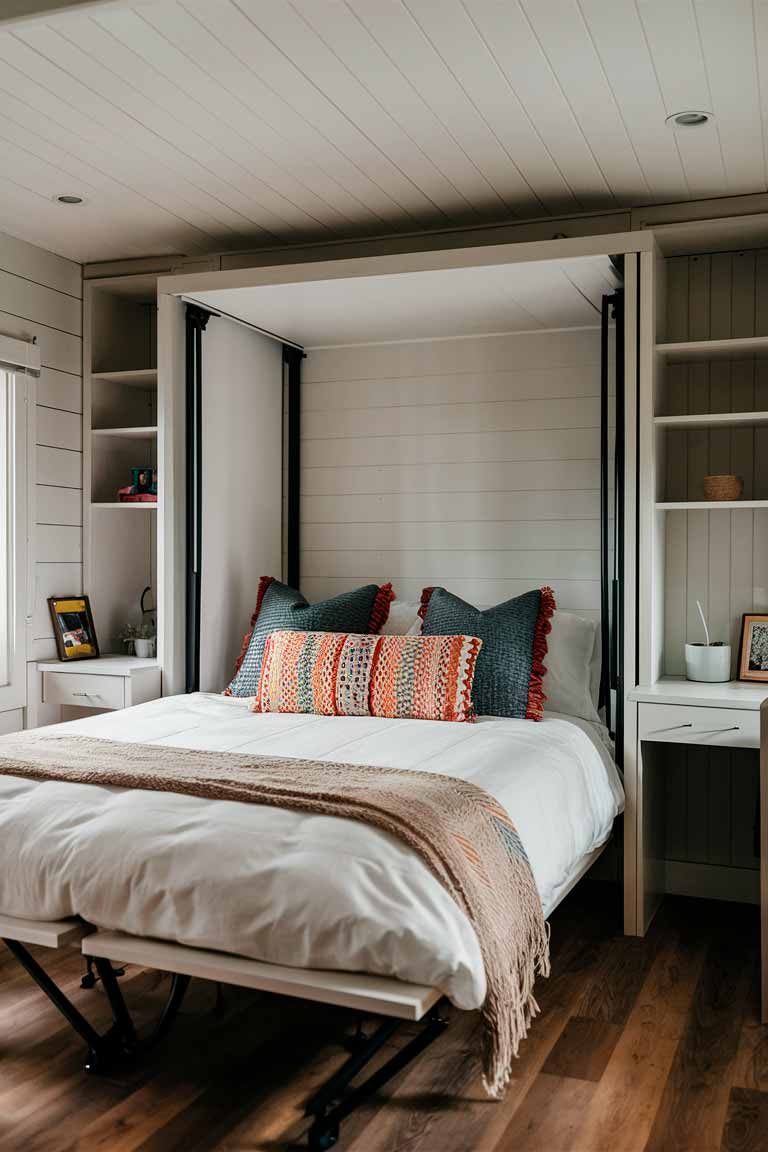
column 442, row 462
column 59, row 429
column 58, row 505
column 60, row 390
column 60, row 467
column 40, row 296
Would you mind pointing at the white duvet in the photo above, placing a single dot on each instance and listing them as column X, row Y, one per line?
column 288, row 887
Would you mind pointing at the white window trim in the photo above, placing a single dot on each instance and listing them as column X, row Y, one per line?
column 13, row 695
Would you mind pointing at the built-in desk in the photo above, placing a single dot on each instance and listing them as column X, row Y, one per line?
column 678, row 711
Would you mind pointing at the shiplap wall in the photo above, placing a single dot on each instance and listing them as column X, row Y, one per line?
column 40, row 295
column 472, row 463
column 718, row 557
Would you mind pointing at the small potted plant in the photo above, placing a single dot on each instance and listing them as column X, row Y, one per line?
column 128, row 635
column 144, row 641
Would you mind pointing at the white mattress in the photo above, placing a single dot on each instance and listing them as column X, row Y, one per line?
column 288, row 887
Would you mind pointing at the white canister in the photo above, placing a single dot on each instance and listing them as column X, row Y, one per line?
column 144, row 648
column 709, row 663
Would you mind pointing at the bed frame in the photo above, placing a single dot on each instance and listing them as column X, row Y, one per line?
column 391, row 1000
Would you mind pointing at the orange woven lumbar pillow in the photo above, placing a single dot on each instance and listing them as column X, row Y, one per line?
column 344, row 674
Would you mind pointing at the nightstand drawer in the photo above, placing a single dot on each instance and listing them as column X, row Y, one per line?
column 709, row 727
column 85, row 691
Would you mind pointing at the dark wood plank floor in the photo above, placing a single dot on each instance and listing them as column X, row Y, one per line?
column 650, row 1044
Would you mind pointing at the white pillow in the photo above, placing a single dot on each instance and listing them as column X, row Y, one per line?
column 572, row 682
column 403, row 616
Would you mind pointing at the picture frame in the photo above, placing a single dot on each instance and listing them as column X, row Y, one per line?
column 73, row 628
column 753, row 649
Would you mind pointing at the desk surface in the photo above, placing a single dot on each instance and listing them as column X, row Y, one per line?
column 678, row 690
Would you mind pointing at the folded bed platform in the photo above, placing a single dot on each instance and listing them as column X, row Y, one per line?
column 374, row 995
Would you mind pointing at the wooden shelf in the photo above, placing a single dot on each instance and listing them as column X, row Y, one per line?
column 711, row 420
column 145, row 433
column 133, row 505
column 708, row 505
column 734, row 349
column 138, row 378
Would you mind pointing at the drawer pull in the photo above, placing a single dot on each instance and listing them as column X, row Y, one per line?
column 712, row 731
column 88, row 695
column 674, row 728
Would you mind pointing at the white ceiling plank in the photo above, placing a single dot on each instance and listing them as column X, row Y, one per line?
column 617, row 34
column 47, row 181
column 291, row 138
column 673, row 39
column 728, row 41
column 123, row 109
column 121, row 128
column 508, row 34
column 340, row 28
column 295, row 37
column 761, row 48
column 45, row 115
column 297, row 178
column 216, row 114
column 388, row 191
column 564, row 38
column 456, row 38
column 139, row 212
column 401, row 37
column 365, row 168
column 124, row 80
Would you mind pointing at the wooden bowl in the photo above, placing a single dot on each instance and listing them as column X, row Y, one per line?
column 723, row 487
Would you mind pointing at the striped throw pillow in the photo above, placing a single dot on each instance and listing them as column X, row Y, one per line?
column 338, row 674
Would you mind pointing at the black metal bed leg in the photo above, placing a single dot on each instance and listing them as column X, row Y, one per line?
column 324, row 1133
column 101, row 1049
column 122, row 1020
column 364, row 1052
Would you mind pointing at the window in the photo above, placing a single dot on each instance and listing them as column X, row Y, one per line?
column 14, row 594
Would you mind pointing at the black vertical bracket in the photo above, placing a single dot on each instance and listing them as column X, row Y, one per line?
column 611, row 577
column 196, row 323
column 292, row 358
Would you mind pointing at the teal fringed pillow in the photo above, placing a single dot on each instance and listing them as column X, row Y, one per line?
column 279, row 607
column 510, row 670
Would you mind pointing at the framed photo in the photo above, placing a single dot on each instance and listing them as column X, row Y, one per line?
column 753, row 653
column 73, row 627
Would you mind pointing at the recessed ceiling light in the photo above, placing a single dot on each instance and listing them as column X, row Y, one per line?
column 70, row 199
column 689, row 119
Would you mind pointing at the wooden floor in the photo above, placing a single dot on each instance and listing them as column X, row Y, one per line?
column 641, row 1044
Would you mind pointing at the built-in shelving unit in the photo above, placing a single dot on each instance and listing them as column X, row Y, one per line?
column 120, row 434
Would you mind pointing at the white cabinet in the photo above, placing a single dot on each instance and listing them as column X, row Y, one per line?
column 109, row 682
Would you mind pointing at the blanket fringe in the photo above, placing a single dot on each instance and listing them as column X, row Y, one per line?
column 505, row 1025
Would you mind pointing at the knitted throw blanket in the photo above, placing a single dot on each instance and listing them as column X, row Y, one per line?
column 462, row 834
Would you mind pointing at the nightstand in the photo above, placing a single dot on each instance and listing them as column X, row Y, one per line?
column 678, row 711
column 109, row 682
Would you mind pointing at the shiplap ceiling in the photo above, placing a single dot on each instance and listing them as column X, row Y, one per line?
column 211, row 125
column 420, row 305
